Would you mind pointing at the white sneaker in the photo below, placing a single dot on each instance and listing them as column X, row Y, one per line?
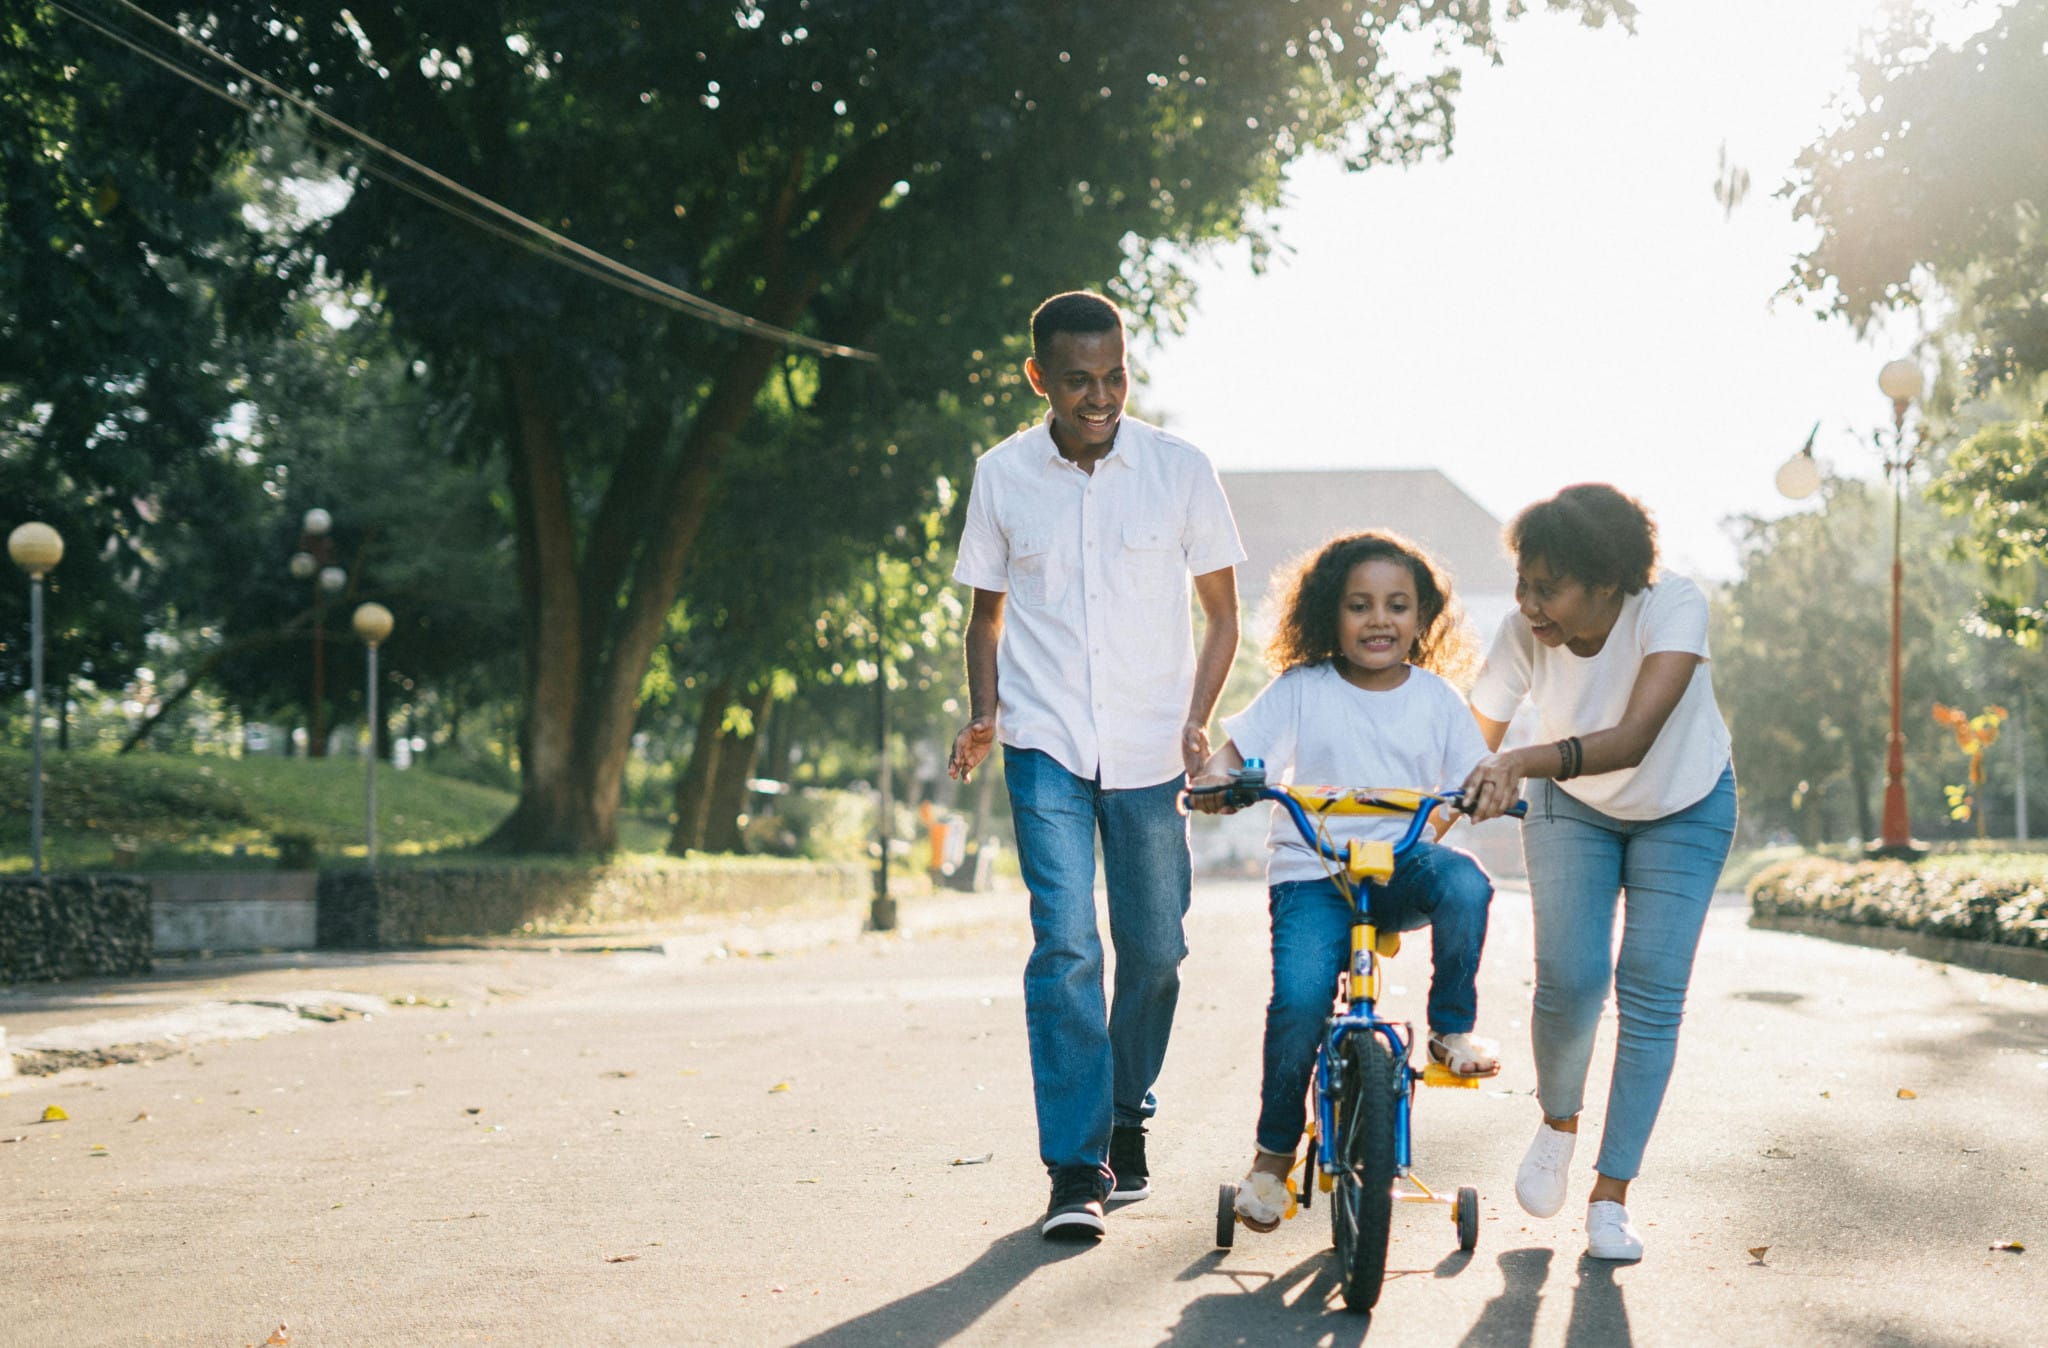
column 1546, row 1171
column 1610, row 1234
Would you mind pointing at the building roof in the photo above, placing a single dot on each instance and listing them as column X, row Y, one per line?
column 1283, row 514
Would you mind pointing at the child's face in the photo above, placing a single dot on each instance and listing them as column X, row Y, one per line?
column 1377, row 618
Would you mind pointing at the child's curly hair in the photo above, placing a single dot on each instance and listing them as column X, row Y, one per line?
column 1307, row 633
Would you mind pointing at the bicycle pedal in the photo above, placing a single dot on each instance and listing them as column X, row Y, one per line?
column 1436, row 1074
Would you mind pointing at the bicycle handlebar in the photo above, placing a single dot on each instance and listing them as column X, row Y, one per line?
column 1248, row 786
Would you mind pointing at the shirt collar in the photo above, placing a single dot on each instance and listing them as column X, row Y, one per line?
column 1122, row 452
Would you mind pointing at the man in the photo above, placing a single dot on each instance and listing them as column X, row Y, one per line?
column 1081, row 534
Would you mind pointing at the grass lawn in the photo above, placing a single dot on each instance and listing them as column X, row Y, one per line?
column 185, row 812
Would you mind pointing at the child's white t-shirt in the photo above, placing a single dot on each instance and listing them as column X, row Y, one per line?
column 1579, row 694
column 1313, row 728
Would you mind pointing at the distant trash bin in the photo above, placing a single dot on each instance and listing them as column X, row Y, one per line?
column 976, row 873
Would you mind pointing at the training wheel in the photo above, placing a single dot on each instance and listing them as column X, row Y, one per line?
column 1466, row 1214
column 1226, row 1216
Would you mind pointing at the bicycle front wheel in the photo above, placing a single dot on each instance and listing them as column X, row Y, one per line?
column 1362, row 1203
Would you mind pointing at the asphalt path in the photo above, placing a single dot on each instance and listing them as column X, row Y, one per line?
column 823, row 1137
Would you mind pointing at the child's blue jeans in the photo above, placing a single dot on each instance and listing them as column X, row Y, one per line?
column 1661, row 873
column 1432, row 886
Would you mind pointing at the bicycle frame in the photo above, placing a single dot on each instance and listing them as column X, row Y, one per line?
column 1356, row 869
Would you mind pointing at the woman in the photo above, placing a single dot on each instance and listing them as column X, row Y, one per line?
column 1632, row 797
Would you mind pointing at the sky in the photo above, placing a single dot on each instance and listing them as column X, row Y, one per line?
column 1562, row 299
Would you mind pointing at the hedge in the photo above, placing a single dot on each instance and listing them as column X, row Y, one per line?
column 73, row 926
column 1995, row 899
column 392, row 906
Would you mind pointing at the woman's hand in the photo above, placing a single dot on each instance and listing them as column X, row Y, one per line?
column 1492, row 788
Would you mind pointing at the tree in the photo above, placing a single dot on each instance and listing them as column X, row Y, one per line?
column 1937, row 177
column 848, row 169
column 118, row 257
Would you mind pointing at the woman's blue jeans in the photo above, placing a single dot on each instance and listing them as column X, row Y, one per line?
column 1663, row 872
column 1093, row 1065
column 1432, row 886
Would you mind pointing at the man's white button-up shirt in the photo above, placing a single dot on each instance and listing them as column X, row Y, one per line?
column 1097, row 658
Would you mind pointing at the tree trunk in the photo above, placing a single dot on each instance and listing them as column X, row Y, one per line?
column 584, row 661
column 693, row 784
column 737, row 755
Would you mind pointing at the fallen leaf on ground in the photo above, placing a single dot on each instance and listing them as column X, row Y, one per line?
column 1907, row 1094
column 620, row 1258
column 53, row 1114
column 473, row 1109
column 1759, row 1252
column 1778, row 1154
column 621, row 1073
column 143, row 1117
column 2009, row 1246
column 282, row 1334
column 982, row 1159
column 778, row 1088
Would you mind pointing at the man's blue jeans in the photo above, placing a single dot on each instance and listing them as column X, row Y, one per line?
column 1092, row 1065
column 1436, row 887
column 1664, row 872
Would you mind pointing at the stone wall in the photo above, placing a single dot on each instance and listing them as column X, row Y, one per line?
column 364, row 909
column 73, row 926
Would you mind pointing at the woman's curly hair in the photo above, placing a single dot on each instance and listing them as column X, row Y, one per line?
column 1592, row 533
column 1314, row 587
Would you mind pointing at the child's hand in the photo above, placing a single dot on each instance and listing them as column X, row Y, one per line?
column 1211, row 804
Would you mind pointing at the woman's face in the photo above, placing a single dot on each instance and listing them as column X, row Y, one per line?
column 1562, row 610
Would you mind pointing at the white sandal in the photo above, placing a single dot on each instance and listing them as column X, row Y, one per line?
column 1263, row 1199
column 1464, row 1055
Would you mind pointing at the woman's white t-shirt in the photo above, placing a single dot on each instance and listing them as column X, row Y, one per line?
column 1313, row 728
column 1579, row 694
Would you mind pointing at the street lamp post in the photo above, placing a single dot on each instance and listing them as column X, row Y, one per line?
column 1900, row 381
column 372, row 624
column 313, row 561
column 35, row 548
column 1800, row 477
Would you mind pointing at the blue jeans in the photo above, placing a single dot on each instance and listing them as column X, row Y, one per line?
column 1093, row 1065
column 1436, row 887
column 1663, row 871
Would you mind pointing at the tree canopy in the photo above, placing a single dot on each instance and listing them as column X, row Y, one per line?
column 904, row 177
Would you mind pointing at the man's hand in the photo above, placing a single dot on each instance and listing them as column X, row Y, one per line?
column 970, row 746
column 1194, row 748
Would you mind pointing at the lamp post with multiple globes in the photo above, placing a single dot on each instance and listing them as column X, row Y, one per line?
column 1900, row 381
column 314, row 562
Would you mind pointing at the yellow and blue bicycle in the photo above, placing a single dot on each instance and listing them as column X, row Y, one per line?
column 1364, row 1084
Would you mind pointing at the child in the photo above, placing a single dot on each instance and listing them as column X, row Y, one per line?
column 1361, row 699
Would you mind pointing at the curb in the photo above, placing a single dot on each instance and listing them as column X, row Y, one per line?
column 2012, row 961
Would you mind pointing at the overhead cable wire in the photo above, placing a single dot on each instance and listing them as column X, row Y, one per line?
column 592, row 263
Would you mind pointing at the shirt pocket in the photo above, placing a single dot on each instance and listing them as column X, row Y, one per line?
column 1031, row 569
column 1152, row 558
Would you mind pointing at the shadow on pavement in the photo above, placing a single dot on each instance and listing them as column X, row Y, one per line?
column 1510, row 1318
column 1598, row 1315
column 1300, row 1305
column 949, row 1308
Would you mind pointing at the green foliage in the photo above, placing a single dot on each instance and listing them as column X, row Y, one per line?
column 1801, row 665
column 195, row 812
column 1937, row 175
column 2000, row 898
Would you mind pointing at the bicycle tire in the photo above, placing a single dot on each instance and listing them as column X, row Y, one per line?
column 1362, row 1203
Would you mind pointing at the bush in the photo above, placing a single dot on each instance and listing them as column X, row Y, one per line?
column 1998, row 899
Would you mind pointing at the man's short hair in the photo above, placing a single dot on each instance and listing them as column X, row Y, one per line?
column 1076, row 311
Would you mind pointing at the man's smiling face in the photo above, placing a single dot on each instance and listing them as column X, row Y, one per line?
column 1084, row 379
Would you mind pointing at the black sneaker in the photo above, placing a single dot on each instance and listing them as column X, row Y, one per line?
column 1075, row 1212
column 1127, row 1163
